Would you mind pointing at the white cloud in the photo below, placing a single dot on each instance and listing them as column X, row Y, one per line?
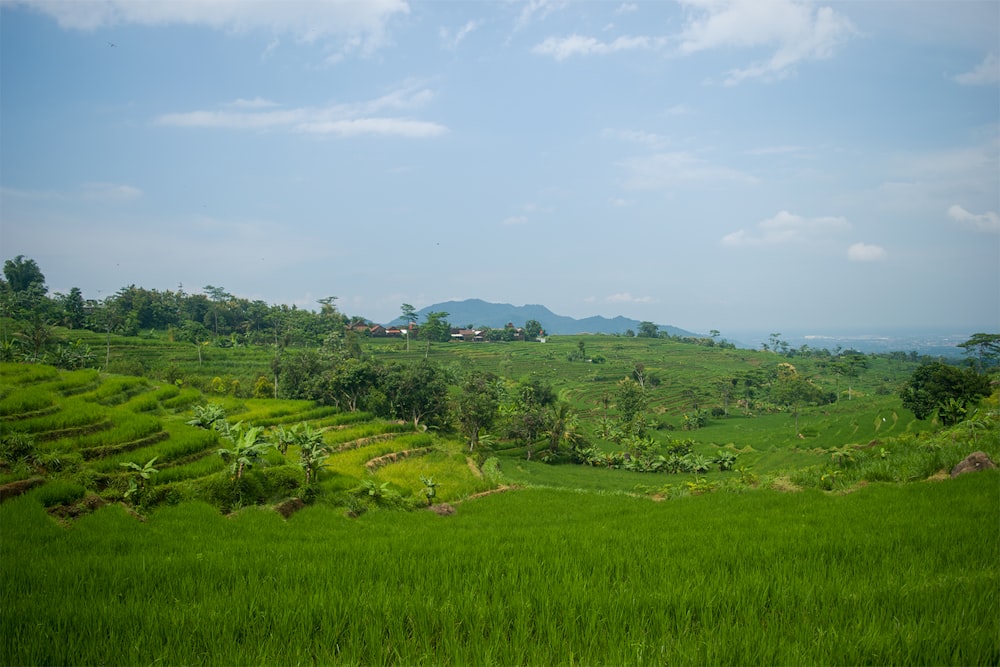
column 537, row 10
column 398, row 127
column 983, row 74
column 679, row 110
column 255, row 103
column 634, row 136
column 680, row 170
column 562, row 48
column 516, row 220
column 863, row 252
column 110, row 192
column 625, row 297
column 451, row 41
column 307, row 20
column 773, row 150
column 627, row 8
column 338, row 119
column 794, row 30
column 361, row 25
column 983, row 222
column 787, row 227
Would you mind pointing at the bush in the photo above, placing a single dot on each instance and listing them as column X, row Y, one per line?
column 17, row 446
column 282, row 480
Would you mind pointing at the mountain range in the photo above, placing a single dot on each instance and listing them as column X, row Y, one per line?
column 479, row 313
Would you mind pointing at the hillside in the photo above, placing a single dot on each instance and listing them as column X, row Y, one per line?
column 495, row 315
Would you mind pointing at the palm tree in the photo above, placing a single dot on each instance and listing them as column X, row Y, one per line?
column 562, row 427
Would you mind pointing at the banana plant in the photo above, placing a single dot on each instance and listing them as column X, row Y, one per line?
column 430, row 488
column 207, row 416
column 725, row 459
column 137, row 482
column 313, row 452
column 248, row 447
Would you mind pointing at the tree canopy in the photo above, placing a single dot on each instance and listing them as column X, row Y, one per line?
column 934, row 386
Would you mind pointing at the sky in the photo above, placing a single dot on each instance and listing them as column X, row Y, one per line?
column 738, row 165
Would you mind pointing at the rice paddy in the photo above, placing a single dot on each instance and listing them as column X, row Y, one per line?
column 833, row 543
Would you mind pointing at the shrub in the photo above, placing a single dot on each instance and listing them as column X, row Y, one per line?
column 282, row 480
column 16, row 446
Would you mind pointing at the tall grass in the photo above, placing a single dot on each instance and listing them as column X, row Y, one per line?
column 24, row 399
column 184, row 441
column 888, row 575
column 125, row 427
column 73, row 414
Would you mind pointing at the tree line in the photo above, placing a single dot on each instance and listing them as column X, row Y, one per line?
column 318, row 356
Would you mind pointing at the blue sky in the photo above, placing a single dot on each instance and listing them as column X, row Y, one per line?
column 711, row 164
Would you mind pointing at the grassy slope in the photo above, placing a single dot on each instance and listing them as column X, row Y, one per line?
column 888, row 575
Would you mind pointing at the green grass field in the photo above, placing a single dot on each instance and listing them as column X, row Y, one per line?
column 887, row 575
column 833, row 540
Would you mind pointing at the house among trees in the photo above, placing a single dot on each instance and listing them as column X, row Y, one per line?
column 474, row 335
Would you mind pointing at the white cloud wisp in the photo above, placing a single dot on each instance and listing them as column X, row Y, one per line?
column 983, row 74
column 864, row 252
column 342, row 120
column 988, row 222
column 786, row 228
column 793, row 29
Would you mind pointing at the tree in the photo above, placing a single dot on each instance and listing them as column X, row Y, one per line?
column 985, row 346
column 532, row 330
column 73, row 311
column 23, row 275
column 648, row 330
column 526, row 410
column 477, row 406
column 777, row 345
column 934, row 386
column 351, row 381
column 631, row 400
column 562, row 427
column 791, row 389
column 639, row 373
column 409, row 315
column 436, row 328
column 219, row 297
column 726, row 386
column 848, row 364
column 416, row 392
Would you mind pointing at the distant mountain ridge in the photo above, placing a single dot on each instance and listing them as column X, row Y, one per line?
column 496, row 315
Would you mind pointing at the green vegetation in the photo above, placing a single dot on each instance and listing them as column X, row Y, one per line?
column 889, row 575
column 663, row 500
